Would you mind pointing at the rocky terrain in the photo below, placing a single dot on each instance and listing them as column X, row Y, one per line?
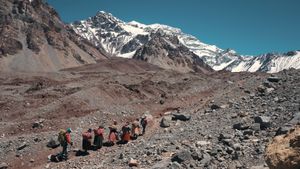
column 217, row 120
column 122, row 39
column 34, row 39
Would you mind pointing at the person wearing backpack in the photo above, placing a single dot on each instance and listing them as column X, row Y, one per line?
column 87, row 140
column 64, row 138
column 113, row 136
column 98, row 138
column 125, row 134
column 144, row 123
column 135, row 129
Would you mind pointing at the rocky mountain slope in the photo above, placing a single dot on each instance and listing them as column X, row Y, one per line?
column 33, row 38
column 167, row 52
column 224, row 120
column 124, row 39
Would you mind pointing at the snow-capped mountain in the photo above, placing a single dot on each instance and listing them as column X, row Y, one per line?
column 122, row 39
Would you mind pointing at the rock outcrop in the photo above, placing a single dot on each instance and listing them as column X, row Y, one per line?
column 33, row 38
column 284, row 151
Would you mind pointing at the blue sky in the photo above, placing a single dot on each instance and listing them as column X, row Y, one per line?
column 250, row 27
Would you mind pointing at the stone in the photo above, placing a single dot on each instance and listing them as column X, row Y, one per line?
column 284, row 130
column 215, row 107
column 273, row 79
column 38, row 124
column 261, row 89
column 240, row 126
column 175, row 165
column 22, row 146
column 202, row 143
column 182, row 156
column 133, row 163
column 206, row 159
column 229, row 150
column 296, row 119
column 182, row 117
column 259, row 167
column 165, row 122
column 3, row 166
column 255, row 127
column 224, row 136
column 237, row 147
column 264, row 121
column 270, row 90
column 53, row 143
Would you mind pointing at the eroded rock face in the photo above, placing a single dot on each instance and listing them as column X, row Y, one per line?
column 284, row 151
column 32, row 36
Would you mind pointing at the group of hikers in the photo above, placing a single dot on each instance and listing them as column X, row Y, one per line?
column 127, row 133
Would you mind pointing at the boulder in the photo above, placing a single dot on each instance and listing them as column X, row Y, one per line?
column 215, row 107
column 182, row 156
column 283, row 152
column 264, row 121
column 175, row 165
column 38, row 124
column 22, row 146
column 133, row 163
column 53, row 143
column 240, row 126
column 165, row 122
column 182, row 117
column 3, row 166
column 273, row 79
column 259, row 167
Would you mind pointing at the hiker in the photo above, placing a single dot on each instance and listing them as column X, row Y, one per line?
column 113, row 136
column 98, row 138
column 125, row 134
column 115, row 122
column 144, row 123
column 135, row 130
column 64, row 138
column 86, row 140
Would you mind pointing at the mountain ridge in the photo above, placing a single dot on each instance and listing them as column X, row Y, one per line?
column 123, row 39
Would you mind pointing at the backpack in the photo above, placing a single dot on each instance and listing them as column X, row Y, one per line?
column 62, row 136
column 144, row 122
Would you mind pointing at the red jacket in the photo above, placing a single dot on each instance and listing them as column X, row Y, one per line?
column 112, row 137
column 99, row 132
column 87, row 135
column 68, row 138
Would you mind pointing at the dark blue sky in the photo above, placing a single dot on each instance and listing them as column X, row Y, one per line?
column 250, row 27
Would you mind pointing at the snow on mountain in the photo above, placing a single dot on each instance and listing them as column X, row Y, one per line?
column 122, row 39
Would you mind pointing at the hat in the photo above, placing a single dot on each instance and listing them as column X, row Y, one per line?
column 69, row 130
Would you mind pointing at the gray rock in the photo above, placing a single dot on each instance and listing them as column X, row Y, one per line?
column 165, row 122
column 53, row 143
column 296, row 119
column 206, row 159
column 284, row 130
column 223, row 136
column 240, row 126
column 264, row 121
column 273, row 79
column 175, row 165
column 255, row 127
column 38, row 124
column 182, row 117
column 182, row 156
column 3, row 166
column 22, row 146
column 215, row 107
column 259, row 167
